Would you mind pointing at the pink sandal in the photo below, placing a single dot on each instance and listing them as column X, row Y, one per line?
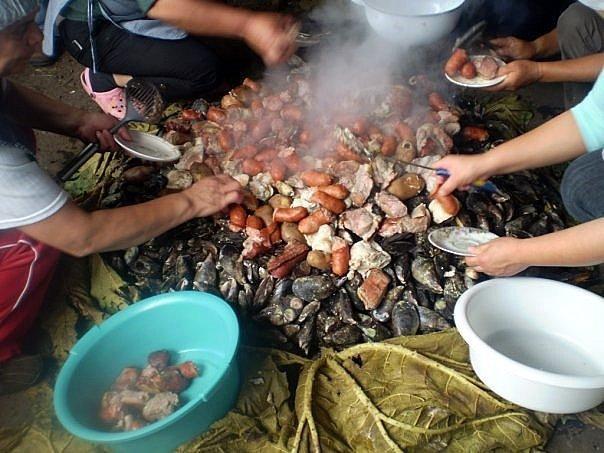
column 111, row 102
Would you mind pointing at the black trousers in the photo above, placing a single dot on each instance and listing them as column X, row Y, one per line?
column 182, row 69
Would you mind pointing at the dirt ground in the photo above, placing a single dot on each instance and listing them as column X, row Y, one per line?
column 61, row 81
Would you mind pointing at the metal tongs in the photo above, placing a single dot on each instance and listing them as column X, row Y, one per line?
column 143, row 104
column 472, row 36
column 479, row 184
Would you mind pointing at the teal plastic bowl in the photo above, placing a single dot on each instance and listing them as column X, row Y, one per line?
column 192, row 326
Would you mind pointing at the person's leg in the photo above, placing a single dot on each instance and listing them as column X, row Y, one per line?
column 580, row 33
column 26, row 269
column 181, row 69
column 582, row 187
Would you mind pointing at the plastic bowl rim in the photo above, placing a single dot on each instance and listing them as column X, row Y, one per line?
column 70, row 365
column 533, row 374
column 370, row 5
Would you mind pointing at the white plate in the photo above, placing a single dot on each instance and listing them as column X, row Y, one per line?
column 148, row 147
column 457, row 240
column 478, row 81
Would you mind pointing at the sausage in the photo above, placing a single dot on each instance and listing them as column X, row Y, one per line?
column 359, row 126
column 404, row 131
column 237, row 216
column 225, row 140
column 336, row 190
column 277, row 170
column 293, row 162
column 389, row 145
column 468, row 70
column 346, row 153
column 437, row 102
column 340, row 258
column 251, row 167
column 274, row 233
column 252, row 85
column 267, row 154
column 245, row 152
column 272, row 103
column 457, row 60
column 216, row 114
column 473, row 133
column 257, row 108
column 328, row 202
column 305, row 137
column 261, row 129
column 254, row 222
column 292, row 113
column 293, row 215
column 315, row 178
column 313, row 222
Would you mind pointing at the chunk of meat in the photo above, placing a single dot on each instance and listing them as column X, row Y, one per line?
column 487, row 67
column 373, row 289
column 188, row 369
column 361, row 222
column 127, row 379
column 134, row 398
column 391, row 205
column 363, row 184
column 160, row 406
column 159, row 359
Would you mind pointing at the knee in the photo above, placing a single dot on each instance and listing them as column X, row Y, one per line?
column 574, row 21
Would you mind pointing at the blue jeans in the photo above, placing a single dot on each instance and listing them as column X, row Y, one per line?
column 582, row 187
column 41, row 14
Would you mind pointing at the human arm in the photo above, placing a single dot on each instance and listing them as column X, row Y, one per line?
column 524, row 72
column 269, row 34
column 77, row 232
column 32, row 109
column 518, row 49
column 558, row 140
column 581, row 245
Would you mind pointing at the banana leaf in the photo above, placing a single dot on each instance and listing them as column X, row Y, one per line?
column 414, row 394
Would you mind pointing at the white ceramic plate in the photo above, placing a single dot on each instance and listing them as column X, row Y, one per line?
column 148, row 147
column 478, row 81
column 457, row 240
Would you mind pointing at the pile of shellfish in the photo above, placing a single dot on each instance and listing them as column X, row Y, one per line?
column 329, row 247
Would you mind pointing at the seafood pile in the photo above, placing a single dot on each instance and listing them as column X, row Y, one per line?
column 139, row 397
column 329, row 247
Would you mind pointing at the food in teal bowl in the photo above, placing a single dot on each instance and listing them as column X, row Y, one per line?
column 191, row 325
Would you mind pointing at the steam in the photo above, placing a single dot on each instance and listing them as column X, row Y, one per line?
column 355, row 58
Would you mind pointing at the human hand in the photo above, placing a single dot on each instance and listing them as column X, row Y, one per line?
column 519, row 73
column 213, row 194
column 463, row 171
column 272, row 36
column 94, row 127
column 514, row 48
column 498, row 258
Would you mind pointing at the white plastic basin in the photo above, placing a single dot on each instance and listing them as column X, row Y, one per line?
column 412, row 22
column 536, row 342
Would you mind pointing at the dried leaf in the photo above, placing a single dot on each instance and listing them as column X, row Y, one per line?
column 407, row 394
column 60, row 322
column 594, row 417
column 11, row 437
column 107, row 287
column 46, row 433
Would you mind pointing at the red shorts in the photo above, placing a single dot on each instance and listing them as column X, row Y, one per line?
column 26, row 268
